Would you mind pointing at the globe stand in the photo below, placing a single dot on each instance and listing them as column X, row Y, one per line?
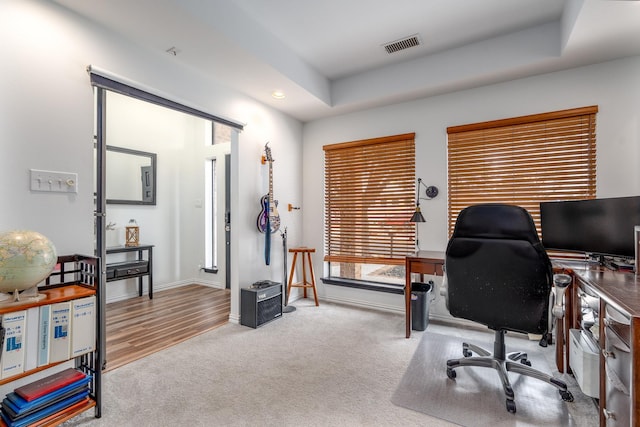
column 17, row 298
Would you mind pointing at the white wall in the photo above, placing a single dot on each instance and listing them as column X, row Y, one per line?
column 613, row 86
column 46, row 122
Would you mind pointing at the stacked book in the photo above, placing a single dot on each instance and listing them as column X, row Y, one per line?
column 39, row 402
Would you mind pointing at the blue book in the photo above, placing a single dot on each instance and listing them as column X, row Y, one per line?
column 23, row 405
column 14, row 413
column 44, row 412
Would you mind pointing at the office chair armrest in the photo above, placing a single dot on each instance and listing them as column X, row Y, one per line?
column 560, row 284
column 556, row 306
column 444, row 290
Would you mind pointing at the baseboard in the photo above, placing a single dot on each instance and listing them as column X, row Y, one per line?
column 209, row 283
column 363, row 304
column 164, row 286
column 234, row 319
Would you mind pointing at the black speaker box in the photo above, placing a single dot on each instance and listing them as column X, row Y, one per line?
column 260, row 305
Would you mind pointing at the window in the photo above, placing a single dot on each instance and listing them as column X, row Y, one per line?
column 369, row 199
column 211, row 207
column 221, row 133
column 216, row 136
column 523, row 161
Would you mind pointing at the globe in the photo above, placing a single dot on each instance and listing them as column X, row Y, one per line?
column 26, row 259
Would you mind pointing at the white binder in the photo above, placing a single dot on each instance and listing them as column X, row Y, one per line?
column 31, row 339
column 59, row 332
column 44, row 327
column 14, row 324
column 83, row 325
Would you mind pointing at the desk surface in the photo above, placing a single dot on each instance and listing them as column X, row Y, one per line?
column 619, row 288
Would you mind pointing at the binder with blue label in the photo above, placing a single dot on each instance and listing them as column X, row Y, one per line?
column 59, row 337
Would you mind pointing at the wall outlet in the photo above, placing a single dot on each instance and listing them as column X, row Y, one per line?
column 51, row 181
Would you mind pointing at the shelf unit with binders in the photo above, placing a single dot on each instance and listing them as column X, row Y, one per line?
column 75, row 277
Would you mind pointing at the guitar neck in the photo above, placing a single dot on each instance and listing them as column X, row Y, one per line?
column 270, row 186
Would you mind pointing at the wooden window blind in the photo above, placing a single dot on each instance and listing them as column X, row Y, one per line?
column 369, row 199
column 523, row 161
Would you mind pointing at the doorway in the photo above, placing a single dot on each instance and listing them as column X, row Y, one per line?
column 180, row 138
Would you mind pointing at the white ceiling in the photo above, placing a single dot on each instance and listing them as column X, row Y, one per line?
column 327, row 56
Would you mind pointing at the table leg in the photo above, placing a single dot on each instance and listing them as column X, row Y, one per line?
column 407, row 299
column 293, row 269
column 150, row 276
column 140, row 278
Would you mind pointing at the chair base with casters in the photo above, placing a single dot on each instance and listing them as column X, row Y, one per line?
column 503, row 363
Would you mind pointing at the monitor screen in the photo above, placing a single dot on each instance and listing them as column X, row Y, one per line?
column 597, row 226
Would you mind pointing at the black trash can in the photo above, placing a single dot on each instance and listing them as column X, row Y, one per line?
column 420, row 296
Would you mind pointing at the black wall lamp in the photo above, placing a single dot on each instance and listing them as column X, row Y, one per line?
column 430, row 191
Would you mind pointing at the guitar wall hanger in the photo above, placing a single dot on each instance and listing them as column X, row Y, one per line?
column 290, row 207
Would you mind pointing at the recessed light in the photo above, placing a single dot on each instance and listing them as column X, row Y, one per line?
column 277, row 94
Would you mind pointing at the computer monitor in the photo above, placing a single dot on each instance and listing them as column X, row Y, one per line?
column 596, row 226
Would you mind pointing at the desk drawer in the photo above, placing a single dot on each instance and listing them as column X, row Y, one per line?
column 617, row 357
column 584, row 360
column 127, row 269
column 617, row 411
column 619, row 323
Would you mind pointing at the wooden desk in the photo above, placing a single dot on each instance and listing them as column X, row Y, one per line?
column 422, row 262
column 619, row 337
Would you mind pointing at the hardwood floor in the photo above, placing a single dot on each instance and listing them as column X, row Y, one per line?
column 139, row 326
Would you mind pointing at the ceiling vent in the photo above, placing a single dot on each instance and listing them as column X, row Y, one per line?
column 402, row 44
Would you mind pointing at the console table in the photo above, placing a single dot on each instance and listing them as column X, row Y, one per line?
column 421, row 262
column 137, row 268
column 618, row 302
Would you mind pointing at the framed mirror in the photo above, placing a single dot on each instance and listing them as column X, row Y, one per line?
column 130, row 176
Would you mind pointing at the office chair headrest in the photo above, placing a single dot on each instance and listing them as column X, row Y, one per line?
column 496, row 221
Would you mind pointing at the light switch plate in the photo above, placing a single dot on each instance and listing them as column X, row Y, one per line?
column 51, row 181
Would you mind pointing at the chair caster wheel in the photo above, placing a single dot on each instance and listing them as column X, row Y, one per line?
column 566, row 395
column 451, row 374
column 511, row 406
column 466, row 352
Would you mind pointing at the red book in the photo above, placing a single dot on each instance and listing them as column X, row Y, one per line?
column 48, row 384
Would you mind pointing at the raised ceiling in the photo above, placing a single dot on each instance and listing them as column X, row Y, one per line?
column 328, row 56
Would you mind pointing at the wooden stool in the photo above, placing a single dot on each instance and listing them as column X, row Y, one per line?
column 304, row 283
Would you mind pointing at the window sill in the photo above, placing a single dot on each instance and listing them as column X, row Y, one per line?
column 365, row 285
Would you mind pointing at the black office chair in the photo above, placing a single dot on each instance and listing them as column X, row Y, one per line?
column 498, row 274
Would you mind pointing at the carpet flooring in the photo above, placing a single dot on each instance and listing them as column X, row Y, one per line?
column 332, row 365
